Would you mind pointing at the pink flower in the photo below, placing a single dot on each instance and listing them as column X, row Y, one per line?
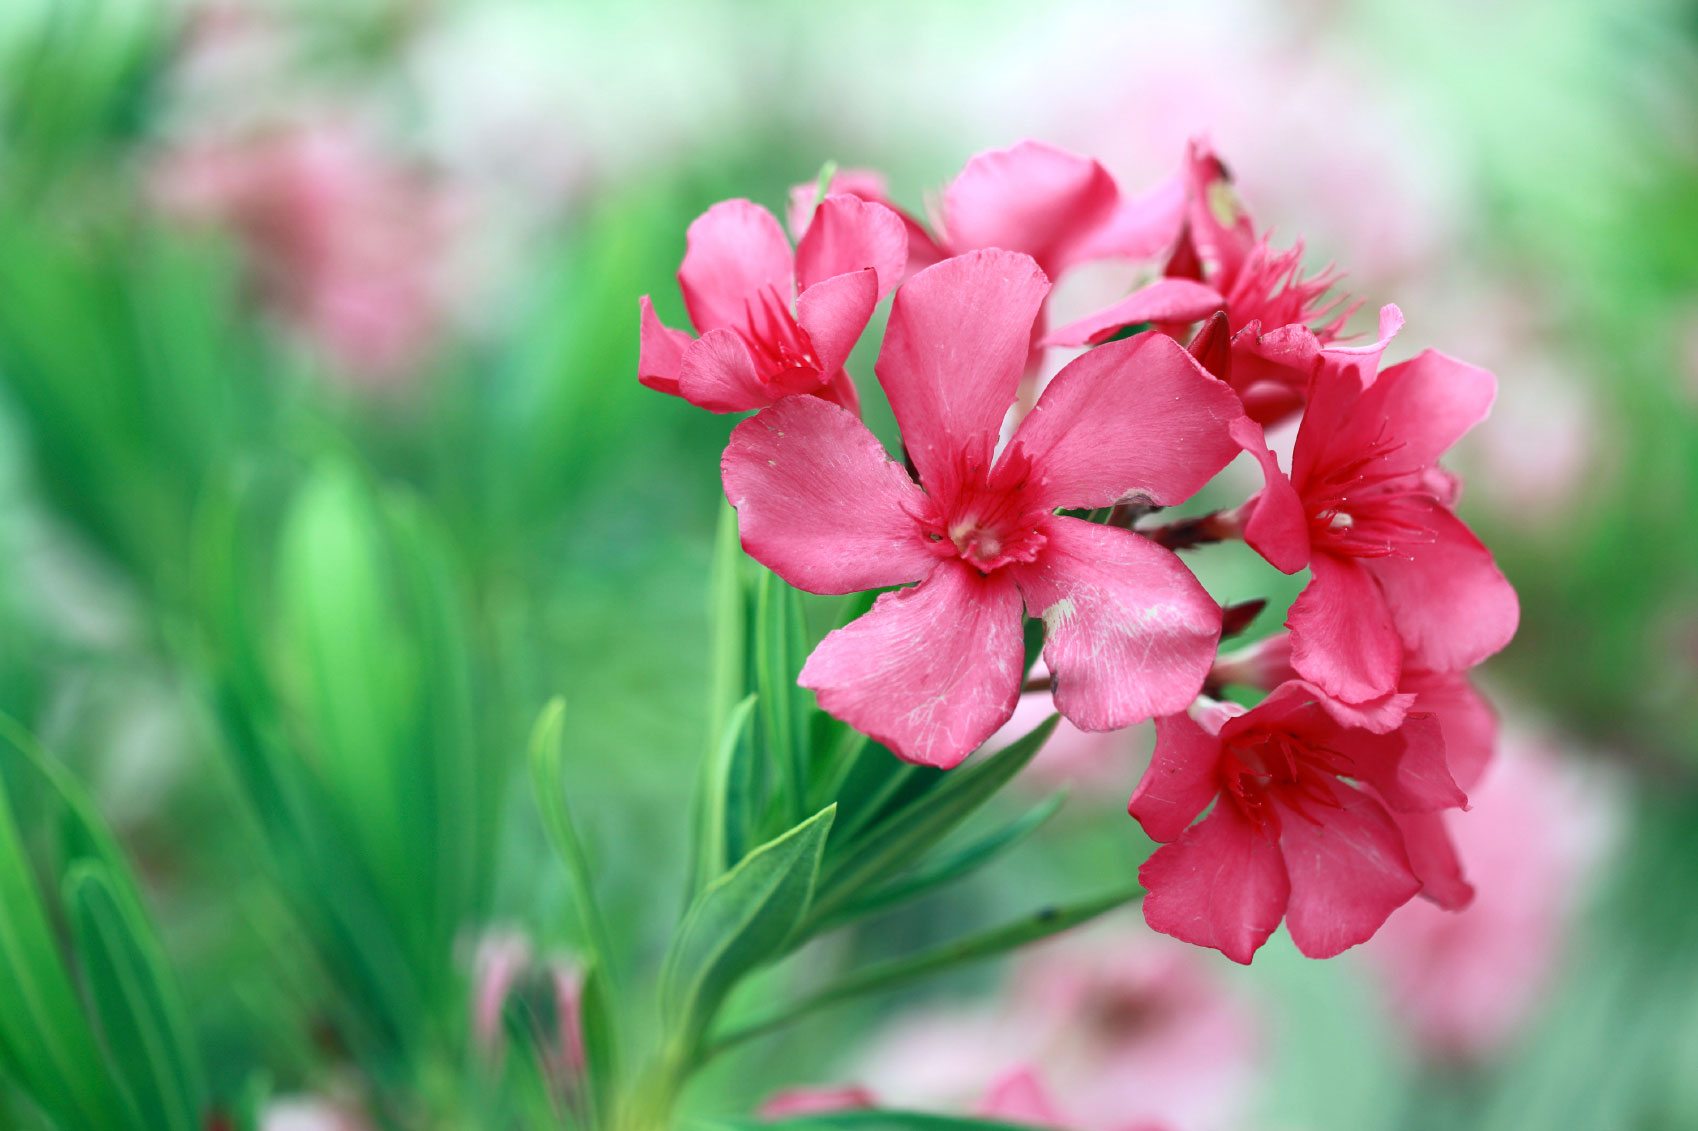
column 1280, row 324
column 1466, row 981
column 817, row 1101
column 773, row 323
column 933, row 670
column 1302, row 826
column 1396, row 577
column 505, row 965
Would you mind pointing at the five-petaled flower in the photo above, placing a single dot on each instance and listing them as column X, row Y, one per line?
column 934, row 669
column 1301, row 827
column 773, row 323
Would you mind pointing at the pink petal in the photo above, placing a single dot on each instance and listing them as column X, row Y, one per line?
column 804, row 199
column 1271, row 371
column 1469, row 722
column 1427, row 403
column 953, row 354
column 833, row 314
column 731, row 252
column 1406, row 767
column 820, row 503
column 1133, row 418
column 1140, row 227
column 1433, row 859
column 931, row 671
column 850, row 234
column 817, row 1101
column 1218, row 223
column 1019, row 1097
column 1221, row 885
column 1129, row 632
column 1348, row 870
column 1181, row 779
column 1165, row 300
column 718, row 374
column 1278, row 528
column 840, row 390
column 1363, row 362
column 1342, row 636
column 1451, row 604
column 1032, row 198
column 661, row 353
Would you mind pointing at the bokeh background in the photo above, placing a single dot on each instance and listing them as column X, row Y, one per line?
column 320, row 434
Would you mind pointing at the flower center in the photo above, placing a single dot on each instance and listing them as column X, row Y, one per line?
column 990, row 521
column 1356, row 508
column 784, row 356
column 1265, row 767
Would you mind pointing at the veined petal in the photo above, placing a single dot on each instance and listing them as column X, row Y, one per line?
column 717, row 373
column 820, row 503
column 953, row 354
column 850, row 234
column 1032, row 198
column 731, row 252
column 1451, row 604
column 1348, row 871
column 1277, row 528
column 1433, row 859
column 1427, row 403
column 1165, row 300
column 834, row 312
column 1132, row 418
column 1406, row 767
column 931, row 671
column 1181, row 779
column 1342, row 637
column 1222, row 885
column 661, row 353
column 1129, row 632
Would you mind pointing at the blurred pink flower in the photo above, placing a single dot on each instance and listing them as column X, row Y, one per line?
column 505, row 964
column 310, row 1113
column 1465, row 981
column 1105, row 763
column 1109, row 1029
column 342, row 239
column 817, row 1101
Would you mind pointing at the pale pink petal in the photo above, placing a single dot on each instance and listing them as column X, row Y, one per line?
column 1137, row 418
column 850, row 234
column 1221, row 885
column 1406, row 767
column 731, row 253
column 1031, row 198
column 804, row 199
column 833, row 314
column 817, row 1101
column 1165, row 300
column 718, row 373
column 661, row 353
column 1278, row 528
column 1342, row 637
column 820, row 503
column 1433, row 859
column 931, row 671
column 1129, row 632
column 1363, row 362
column 953, row 354
column 1181, row 779
column 1348, row 871
column 1451, row 604
column 1140, row 227
column 1427, row 403
column 1020, row 1097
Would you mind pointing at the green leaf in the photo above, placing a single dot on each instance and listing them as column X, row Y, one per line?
column 598, row 1021
column 912, row 968
column 780, row 649
column 896, row 840
column 741, row 921
column 133, row 1001
column 955, row 866
column 548, row 779
column 722, row 821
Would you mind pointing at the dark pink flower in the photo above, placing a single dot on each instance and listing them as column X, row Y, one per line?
column 773, row 323
column 933, row 670
column 1396, row 577
column 1302, row 825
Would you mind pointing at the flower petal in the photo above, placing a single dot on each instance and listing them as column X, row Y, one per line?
column 1180, row 781
column 1221, row 885
column 834, row 312
column 820, row 503
column 1132, row 418
column 1469, row 722
column 1277, row 528
column 931, row 671
column 661, row 353
column 1426, row 403
column 1363, row 362
column 1451, row 604
column 1032, row 198
column 1140, row 227
column 1342, row 636
column 953, row 354
column 1165, row 300
column 1129, row 632
column 718, row 373
column 731, row 252
column 1348, row 870
column 1406, row 767
column 1433, row 859
column 850, row 234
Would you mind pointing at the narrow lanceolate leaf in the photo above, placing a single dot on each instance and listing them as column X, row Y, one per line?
column 780, row 649
column 721, row 822
column 894, row 841
column 904, row 971
column 741, row 921
column 548, row 780
column 596, row 1020
column 728, row 619
column 133, row 1001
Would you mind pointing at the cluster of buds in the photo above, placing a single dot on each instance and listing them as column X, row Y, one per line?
column 1318, row 805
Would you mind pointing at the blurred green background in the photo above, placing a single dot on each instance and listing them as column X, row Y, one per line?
column 323, row 466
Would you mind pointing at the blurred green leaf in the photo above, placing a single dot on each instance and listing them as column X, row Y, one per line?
column 741, row 921
column 723, row 818
column 780, row 649
column 548, row 781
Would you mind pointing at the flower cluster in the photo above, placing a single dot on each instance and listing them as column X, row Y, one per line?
column 1318, row 805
